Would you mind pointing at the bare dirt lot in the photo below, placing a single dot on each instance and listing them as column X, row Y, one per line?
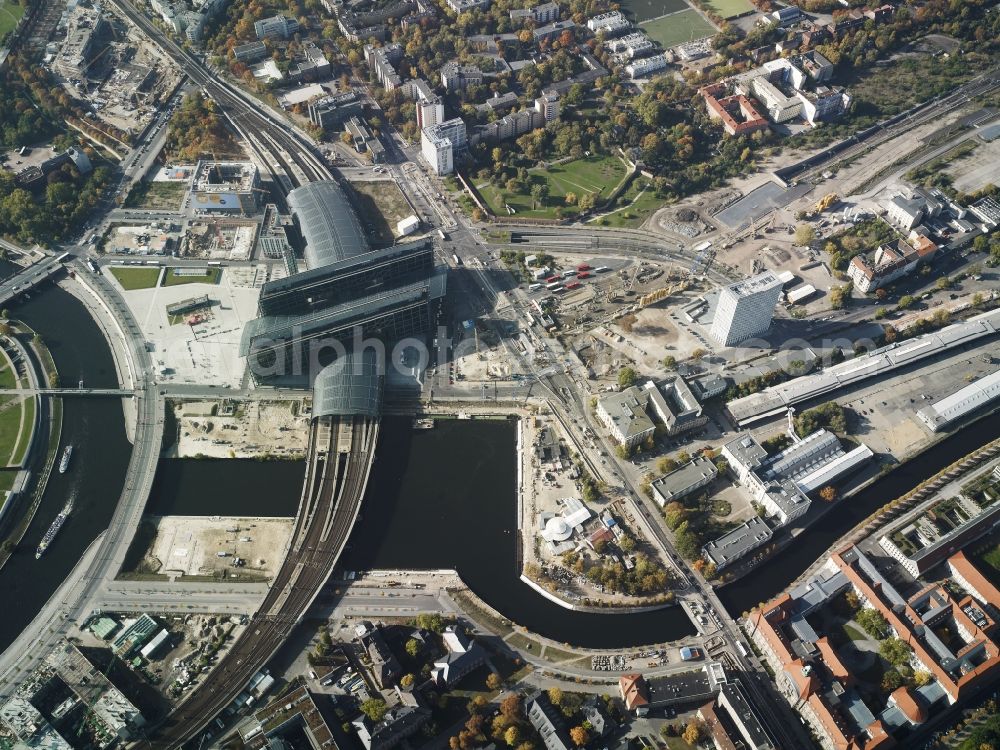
column 217, row 547
column 241, row 429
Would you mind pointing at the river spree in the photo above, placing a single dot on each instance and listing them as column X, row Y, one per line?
column 96, row 428
column 441, row 498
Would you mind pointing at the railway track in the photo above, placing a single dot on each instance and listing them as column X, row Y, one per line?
column 332, row 494
column 274, row 142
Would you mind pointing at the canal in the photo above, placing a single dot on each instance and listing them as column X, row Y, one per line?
column 780, row 570
column 446, row 498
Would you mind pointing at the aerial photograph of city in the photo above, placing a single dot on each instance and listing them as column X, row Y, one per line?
column 500, row 374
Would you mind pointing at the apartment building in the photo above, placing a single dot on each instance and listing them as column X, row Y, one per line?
column 440, row 143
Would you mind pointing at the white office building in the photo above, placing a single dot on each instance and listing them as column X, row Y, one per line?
column 275, row 27
column 439, row 143
column 745, row 309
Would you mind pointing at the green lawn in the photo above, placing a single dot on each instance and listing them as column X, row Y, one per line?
column 136, row 278
column 157, row 196
column 635, row 206
column 212, row 277
column 643, row 10
column 23, row 440
column 10, row 421
column 678, row 28
column 592, row 174
column 854, row 634
column 728, row 8
column 7, row 377
column 992, row 558
column 10, row 14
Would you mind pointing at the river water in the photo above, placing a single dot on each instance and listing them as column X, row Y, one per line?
column 441, row 498
column 96, row 428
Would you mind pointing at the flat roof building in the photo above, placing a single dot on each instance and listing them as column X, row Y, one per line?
column 692, row 476
column 961, row 403
column 226, row 186
column 738, row 543
column 776, row 399
column 746, row 308
column 275, row 27
column 440, row 143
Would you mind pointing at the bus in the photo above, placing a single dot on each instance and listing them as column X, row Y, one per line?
column 458, row 261
column 573, row 285
column 742, row 649
column 554, row 287
column 92, row 266
column 64, row 257
column 214, row 263
column 534, row 287
column 442, row 234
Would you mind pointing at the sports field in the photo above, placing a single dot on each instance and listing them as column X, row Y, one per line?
column 678, row 28
column 728, row 8
column 10, row 14
column 645, row 10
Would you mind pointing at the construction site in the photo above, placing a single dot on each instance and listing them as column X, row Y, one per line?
column 193, row 548
column 241, row 429
column 98, row 59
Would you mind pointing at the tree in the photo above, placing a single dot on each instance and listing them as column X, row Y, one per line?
column 891, row 680
column 666, row 465
column 431, row 621
column 853, row 601
column 555, row 696
column 698, row 353
column 374, row 709
column 512, row 735
column 406, row 681
column 895, row 651
column 828, row 493
column 536, row 194
column 626, row 377
column 688, row 543
column 412, row 647
column 905, row 302
column 872, row 621
column 579, row 735
column 670, row 362
column 943, row 283
column 510, row 706
column 692, row 733
column 921, row 677
column 804, row 234
column 493, row 681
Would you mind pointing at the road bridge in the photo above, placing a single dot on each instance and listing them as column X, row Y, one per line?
column 28, row 278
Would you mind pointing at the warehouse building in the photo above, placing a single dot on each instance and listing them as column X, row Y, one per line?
column 961, row 403
column 776, row 399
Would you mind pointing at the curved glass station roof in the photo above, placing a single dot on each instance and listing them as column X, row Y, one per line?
column 328, row 223
column 351, row 386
